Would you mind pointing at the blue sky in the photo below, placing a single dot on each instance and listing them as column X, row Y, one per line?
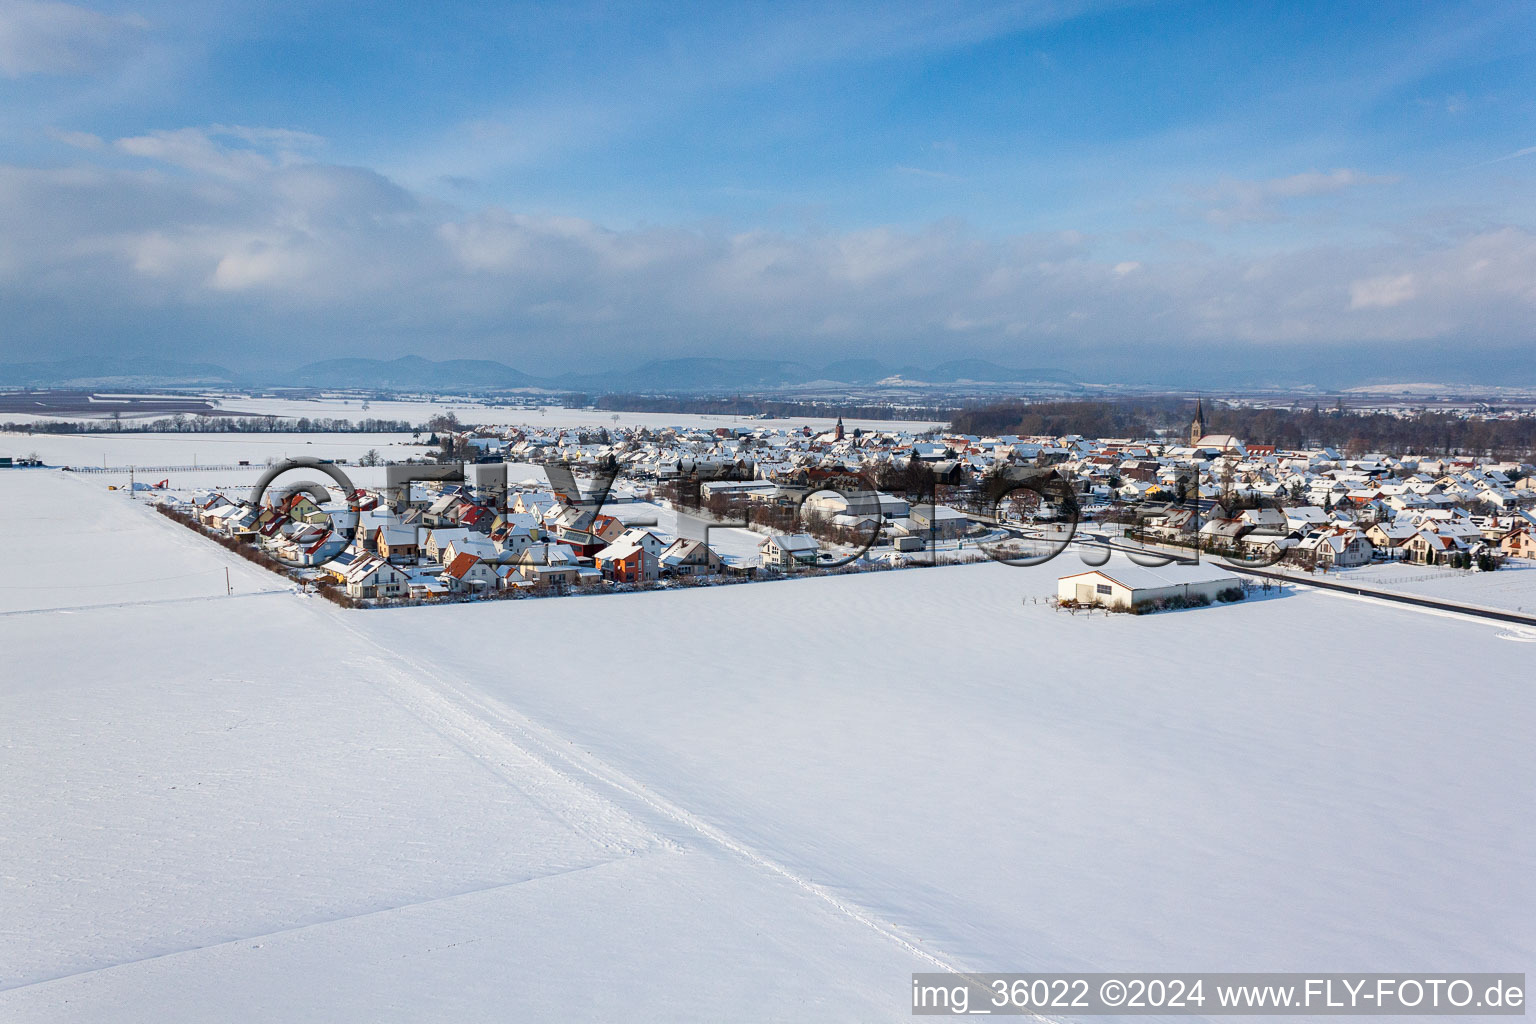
column 1071, row 184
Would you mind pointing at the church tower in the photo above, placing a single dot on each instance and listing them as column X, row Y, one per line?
column 1197, row 429
column 838, row 434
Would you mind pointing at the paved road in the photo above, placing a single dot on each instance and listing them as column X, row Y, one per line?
column 1388, row 595
column 1497, row 614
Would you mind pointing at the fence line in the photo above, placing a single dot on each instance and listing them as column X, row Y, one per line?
column 160, row 469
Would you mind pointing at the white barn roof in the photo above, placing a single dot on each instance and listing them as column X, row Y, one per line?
column 1140, row 577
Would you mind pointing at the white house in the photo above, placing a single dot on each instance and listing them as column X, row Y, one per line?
column 438, row 540
column 738, row 488
column 1126, row 585
column 643, row 538
column 309, row 545
column 864, row 504
column 1336, row 548
column 550, row 564
column 686, row 557
column 944, row 522
column 1305, row 517
column 534, row 503
column 786, row 551
column 372, row 576
column 478, row 545
column 512, row 541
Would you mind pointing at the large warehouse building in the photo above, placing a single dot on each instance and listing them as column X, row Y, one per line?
column 1126, row 585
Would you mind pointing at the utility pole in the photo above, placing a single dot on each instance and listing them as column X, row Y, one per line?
column 229, row 588
column 131, row 492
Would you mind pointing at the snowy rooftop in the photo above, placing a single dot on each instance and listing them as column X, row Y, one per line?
column 1141, row 577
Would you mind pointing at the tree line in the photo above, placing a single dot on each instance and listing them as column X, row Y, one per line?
column 180, row 424
column 743, row 405
column 1353, row 432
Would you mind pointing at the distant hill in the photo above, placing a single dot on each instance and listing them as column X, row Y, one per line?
column 409, row 373
column 856, row 371
column 113, row 373
column 981, row 370
column 414, row 373
column 747, row 374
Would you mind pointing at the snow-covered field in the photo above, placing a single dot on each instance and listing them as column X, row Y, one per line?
column 544, row 415
column 480, row 413
column 148, row 451
column 134, row 449
column 245, row 808
column 771, row 801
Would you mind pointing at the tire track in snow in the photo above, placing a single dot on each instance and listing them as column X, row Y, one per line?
column 566, row 799
column 306, row 926
column 479, row 725
column 449, row 699
column 140, row 604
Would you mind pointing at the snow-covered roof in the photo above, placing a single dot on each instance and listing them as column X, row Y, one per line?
column 1141, row 577
column 792, row 541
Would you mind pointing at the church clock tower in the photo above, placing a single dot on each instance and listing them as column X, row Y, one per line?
column 1197, row 429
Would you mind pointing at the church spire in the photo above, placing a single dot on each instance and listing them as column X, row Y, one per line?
column 1197, row 429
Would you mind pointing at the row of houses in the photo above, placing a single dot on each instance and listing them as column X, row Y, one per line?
column 1314, row 537
column 1375, row 486
column 442, row 540
column 1314, row 505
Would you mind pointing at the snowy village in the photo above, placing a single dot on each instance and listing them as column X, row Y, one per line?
column 690, row 506
column 623, row 512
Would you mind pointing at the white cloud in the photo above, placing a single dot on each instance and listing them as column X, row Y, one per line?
column 207, row 150
column 61, row 39
column 193, row 150
column 1239, row 201
column 282, row 140
column 293, row 258
column 1381, row 292
column 924, row 172
column 1313, row 183
column 259, row 262
column 78, row 140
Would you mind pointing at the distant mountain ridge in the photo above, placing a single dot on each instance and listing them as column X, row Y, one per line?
column 106, row 373
column 694, row 374
column 698, row 374
column 981, row 370
column 414, row 373
column 410, row 373
column 1304, row 369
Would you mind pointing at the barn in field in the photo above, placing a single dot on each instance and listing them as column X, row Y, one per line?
column 1127, row 585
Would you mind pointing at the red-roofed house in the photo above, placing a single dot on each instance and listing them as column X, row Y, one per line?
column 467, row 573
